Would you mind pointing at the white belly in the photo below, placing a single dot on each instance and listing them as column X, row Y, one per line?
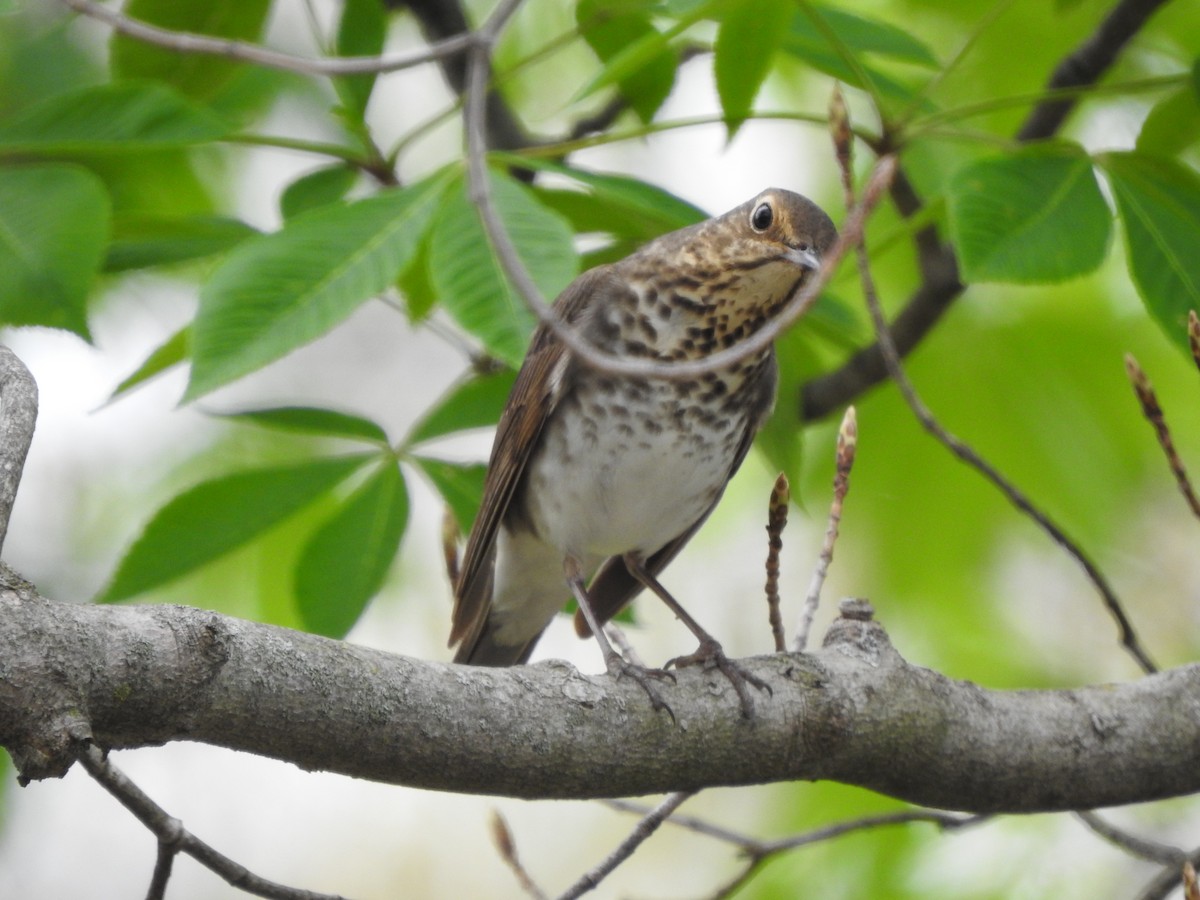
column 634, row 481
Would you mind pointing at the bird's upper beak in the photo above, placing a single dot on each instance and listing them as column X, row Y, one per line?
column 806, row 258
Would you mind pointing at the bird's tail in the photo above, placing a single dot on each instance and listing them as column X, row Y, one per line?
column 483, row 649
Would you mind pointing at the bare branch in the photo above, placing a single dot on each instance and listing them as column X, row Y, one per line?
column 760, row 852
column 18, row 417
column 648, row 824
column 172, row 836
column 1139, row 847
column 847, row 444
column 186, row 42
column 1170, row 878
column 940, row 283
column 1128, row 636
column 1086, row 63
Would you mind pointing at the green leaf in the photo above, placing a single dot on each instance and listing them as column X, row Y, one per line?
column 468, row 278
column 319, row 422
column 361, row 32
column 217, row 516
column 278, row 292
column 1033, row 216
column 171, row 353
column 859, row 38
column 747, row 41
column 344, row 563
column 613, row 204
column 53, row 227
column 316, row 189
column 1158, row 201
column 1172, row 125
column 643, row 52
column 201, row 76
column 142, row 240
column 420, row 296
column 862, row 35
column 474, row 403
column 460, row 484
column 609, row 27
column 111, row 118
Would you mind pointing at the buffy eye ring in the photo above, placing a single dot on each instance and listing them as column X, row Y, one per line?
column 762, row 217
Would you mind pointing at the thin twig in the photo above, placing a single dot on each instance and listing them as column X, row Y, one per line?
column 1154, row 415
column 1076, row 75
column 777, row 515
column 764, row 851
column 503, row 839
column 1167, row 881
column 186, row 42
column 18, row 418
column 645, row 827
column 847, row 445
column 174, row 838
column 1128, row 636
column 1130, row 843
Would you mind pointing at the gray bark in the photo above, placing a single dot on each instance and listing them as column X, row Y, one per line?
column 854, row 711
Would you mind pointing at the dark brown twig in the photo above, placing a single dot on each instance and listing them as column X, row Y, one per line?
column 847, row 445
column 777, row 515
column 964, row 452
column 173, row 838
column 1086, row 63
column 940, row 283
column 1154, row 415
column 503, row 839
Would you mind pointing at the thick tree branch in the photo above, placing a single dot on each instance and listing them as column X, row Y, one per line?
column 854, row 712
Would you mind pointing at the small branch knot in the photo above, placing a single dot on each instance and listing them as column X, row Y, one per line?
column 858, row 609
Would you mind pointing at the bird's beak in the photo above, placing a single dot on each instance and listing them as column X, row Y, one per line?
column 805, row 259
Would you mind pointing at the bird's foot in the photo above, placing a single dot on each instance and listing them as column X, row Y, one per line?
column 620, row 667
column 711, row 655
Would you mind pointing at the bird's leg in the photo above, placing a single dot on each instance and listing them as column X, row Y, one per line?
column 710, row 653
column 616, row 664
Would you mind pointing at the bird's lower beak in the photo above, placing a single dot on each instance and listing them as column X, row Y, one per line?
column 805, row 258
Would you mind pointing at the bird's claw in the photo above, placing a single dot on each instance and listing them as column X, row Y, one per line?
column 621, row 668
column 711, row 655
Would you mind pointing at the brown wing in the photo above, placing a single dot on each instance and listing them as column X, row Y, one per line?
column 613, row 587
column 535, row 394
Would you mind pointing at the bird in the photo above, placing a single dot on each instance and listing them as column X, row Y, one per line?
column 596, row 481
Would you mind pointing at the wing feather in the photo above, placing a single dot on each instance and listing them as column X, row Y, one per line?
column 541, row 382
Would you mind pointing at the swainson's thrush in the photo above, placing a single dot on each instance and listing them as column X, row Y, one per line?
column 599, row 473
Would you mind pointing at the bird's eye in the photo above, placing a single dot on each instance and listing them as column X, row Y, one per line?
column 762, row 217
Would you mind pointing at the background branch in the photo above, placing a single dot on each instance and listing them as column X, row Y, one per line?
column 940, row 283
